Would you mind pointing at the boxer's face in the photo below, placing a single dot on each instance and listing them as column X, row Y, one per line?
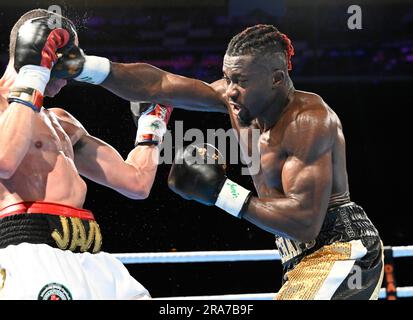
column 249, row 86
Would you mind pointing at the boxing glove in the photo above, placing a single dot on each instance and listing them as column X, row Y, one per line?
column 151, row 120
column 198, row 173
column 35, row 53
column 74, row 64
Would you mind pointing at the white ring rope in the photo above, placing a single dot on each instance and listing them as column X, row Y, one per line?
column 221, row 256
column 198, row 256
column 403, row 292
column 402, row 251
column 240, row 255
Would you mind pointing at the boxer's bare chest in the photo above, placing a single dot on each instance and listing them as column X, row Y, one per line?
column 49, row 136
column 267, row 149
column 272, row 159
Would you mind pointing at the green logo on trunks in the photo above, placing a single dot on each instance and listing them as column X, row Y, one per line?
column 233, row 189
column 54, row 291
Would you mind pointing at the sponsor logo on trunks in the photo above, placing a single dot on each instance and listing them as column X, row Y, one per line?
column 287, row 248
column 54, row 291
column 347, row 225
column 75, row 234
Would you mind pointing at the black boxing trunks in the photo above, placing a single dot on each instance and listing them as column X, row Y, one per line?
column 56, row 225
column 345, row 261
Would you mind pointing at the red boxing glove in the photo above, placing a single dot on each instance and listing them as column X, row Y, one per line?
column 151, row 120
column 35, row 54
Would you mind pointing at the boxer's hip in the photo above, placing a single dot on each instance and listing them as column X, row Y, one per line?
column 345, row 261
column 339, row 271
column 56, row 225
column 343, row 223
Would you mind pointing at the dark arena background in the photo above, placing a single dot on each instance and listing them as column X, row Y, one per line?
column 365, row 75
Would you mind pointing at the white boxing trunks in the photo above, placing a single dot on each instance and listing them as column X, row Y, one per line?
column 38, row 271
column 50, row 251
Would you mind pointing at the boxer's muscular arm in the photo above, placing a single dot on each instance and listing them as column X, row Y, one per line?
column 220, row 87
column 16, row 127
column 306, row 178
column 144, row 82
column 101, row 163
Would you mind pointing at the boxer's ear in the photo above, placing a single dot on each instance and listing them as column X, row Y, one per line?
column 278, row 76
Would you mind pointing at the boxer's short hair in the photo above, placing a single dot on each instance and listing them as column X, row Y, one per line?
column 261, row 39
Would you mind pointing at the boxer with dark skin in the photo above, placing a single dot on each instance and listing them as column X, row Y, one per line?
column 303, row 192
column 302, row 181
column 45, row 151
column 301, row 145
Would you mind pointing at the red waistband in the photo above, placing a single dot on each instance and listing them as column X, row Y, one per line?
column 46, row 208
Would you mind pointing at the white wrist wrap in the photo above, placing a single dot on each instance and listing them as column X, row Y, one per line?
column 95, row 70
column 33, row 76
column 150, row 125
column 232, row 197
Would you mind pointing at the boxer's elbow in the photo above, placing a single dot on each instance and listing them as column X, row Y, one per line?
column 308, row 228
column 137, row 193
column 142, row 193
column 138, row 190
column 307, row 234
column 301, row 233
column 138, row 180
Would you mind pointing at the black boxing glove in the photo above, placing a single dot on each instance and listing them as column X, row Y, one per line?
column 35, row 53
column 70, row 64
column 74, row 64
column 197, row 174
column 38, row 44
column 151, row 120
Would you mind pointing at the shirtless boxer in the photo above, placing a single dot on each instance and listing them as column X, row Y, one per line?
column 49, row 245
column 329, row 248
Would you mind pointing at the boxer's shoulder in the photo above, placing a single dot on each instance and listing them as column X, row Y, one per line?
column 73, row 128
column 304, row 107
column 308, row 108
column 310, row 124
column 65, row 117
column 304, row 101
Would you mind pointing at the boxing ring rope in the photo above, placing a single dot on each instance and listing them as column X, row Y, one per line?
column 221, row 256
column 390, row 292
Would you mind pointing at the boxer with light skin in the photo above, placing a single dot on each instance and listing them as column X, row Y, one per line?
column 43, row 154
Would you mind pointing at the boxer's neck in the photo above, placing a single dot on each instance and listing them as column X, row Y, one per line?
column 268, row 119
